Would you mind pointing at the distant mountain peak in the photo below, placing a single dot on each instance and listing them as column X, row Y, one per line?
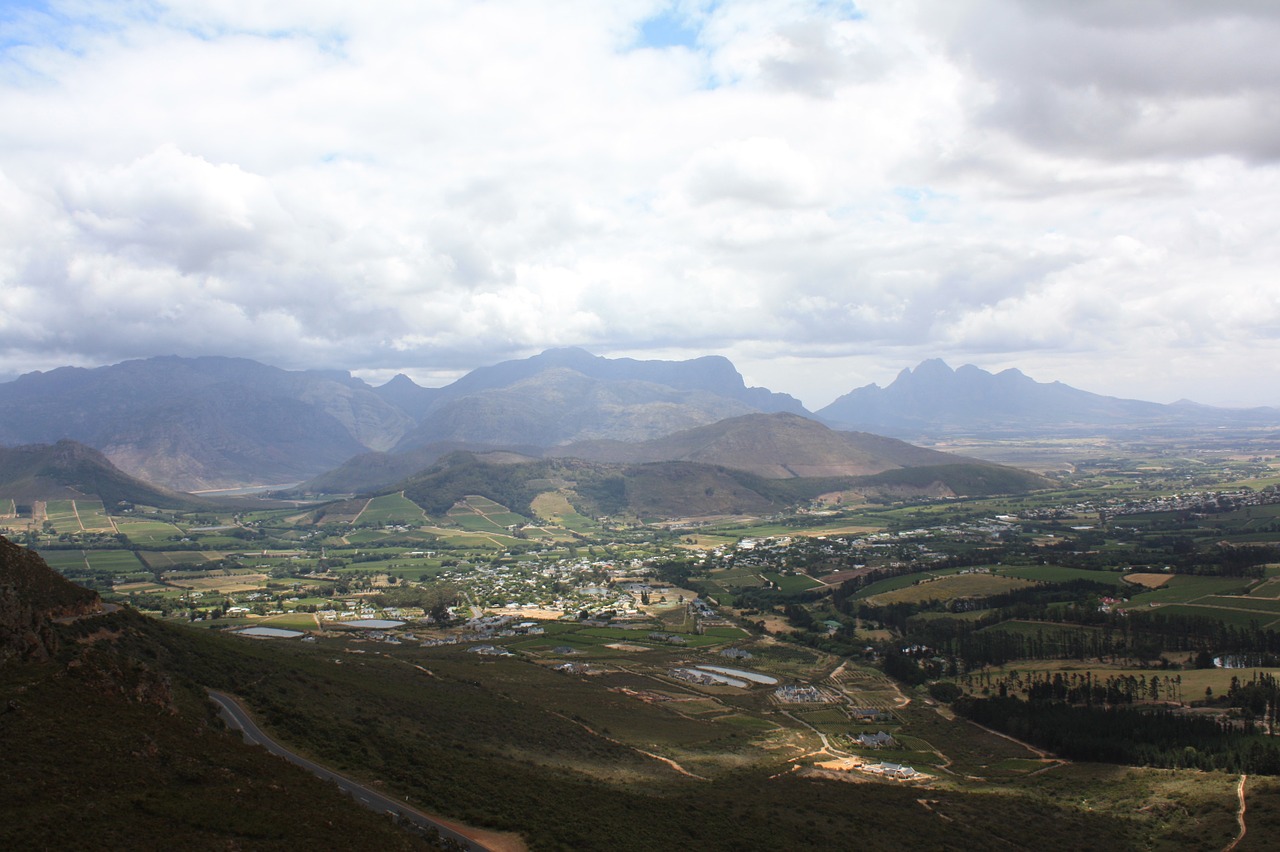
column 933, row 367
column 934, row 400
column 400, row 380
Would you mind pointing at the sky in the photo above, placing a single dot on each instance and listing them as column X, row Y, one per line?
column 824, row 192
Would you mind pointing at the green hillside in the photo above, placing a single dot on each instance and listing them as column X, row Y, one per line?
column 68, row 470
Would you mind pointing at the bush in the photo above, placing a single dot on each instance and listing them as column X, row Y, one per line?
column 945, row 691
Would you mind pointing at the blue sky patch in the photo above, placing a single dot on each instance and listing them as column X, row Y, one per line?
column 669, row 29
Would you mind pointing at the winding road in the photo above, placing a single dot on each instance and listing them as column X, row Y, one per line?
column 1240, row 815
column 238, row 719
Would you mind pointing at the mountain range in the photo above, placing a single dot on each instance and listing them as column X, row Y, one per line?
column 935, row 401
column 193, row 424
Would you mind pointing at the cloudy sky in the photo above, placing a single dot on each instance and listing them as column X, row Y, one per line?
column 824, row 192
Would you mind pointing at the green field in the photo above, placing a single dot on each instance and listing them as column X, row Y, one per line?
column 1059, row 574
column 62, row 560
column 1033, row 627
column 124, row 561
column 1238, row 618
column 391, row 509
column 950, row 588
column 1187, row 588
column 148, row 532
column 479, row 514
column 555, row 508
column 1247, row 603
column 165, row 560
column 62, row 514
column 74, row 516
column 98, row 561
column 902, row 581
column 789, row 583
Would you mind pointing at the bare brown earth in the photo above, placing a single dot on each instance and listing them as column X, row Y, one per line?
column 1149, row 581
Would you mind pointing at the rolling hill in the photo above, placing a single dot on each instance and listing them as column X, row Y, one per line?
column 776, row 446
column 652, row 491
column 656, row 490
column 759, row 447
column 69, row 470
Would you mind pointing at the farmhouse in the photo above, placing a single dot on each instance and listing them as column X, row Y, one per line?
column 893, row 770
column 877, row 740
column 489, row 651
column 799, row 694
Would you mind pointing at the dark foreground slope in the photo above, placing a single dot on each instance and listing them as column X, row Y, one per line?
column 112, row 745
column 515, row 746
column 31, row 597
column 101, row 747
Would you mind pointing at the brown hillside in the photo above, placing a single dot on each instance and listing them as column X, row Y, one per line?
column 776, row 446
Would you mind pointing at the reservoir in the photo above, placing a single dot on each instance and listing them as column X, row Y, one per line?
column 754, row 677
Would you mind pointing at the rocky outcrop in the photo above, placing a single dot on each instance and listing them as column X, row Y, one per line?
column 32, row 596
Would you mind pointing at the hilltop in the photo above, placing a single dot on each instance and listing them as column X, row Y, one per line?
column 752, row 463
column 775, row 446
column 70, row 470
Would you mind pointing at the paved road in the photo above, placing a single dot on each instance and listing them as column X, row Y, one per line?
column 106, row 608
column 238, row 719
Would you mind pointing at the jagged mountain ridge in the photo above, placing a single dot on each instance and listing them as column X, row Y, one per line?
column 205, row 423
column 934, row 400
column 567, row 395
column 193, row 423
column 560, row 405
column 710, row 373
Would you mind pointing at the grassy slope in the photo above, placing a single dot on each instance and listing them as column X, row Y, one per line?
column 87, row 766
column 504, row 744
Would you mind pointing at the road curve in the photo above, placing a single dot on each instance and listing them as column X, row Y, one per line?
column 238, row 719
column 1240, row 815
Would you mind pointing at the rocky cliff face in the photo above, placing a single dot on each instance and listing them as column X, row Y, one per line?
column 32, row 595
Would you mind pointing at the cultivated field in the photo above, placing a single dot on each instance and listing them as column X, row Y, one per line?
column 950, row 588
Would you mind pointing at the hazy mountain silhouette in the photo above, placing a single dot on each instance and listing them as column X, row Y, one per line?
column 935, row 400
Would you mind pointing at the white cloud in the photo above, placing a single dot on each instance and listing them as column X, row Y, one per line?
column 840, row 190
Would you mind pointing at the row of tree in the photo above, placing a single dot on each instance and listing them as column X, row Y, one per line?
column 1138, row 736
